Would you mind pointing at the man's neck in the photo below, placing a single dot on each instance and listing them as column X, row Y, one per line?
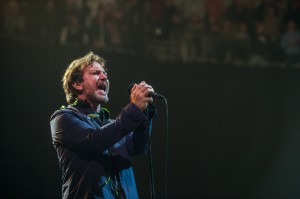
column 95, row 107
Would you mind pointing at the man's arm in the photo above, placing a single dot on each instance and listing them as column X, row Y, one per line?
column 136, row 143
column 70, row 130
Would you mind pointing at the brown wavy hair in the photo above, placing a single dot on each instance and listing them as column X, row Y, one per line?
column 74, row 73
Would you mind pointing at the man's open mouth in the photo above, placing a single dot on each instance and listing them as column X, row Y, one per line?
column 102, row 87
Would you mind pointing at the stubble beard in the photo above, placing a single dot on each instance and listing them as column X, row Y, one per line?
column 99, row 99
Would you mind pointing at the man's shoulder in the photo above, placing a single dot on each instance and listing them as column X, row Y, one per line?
column 65, row 110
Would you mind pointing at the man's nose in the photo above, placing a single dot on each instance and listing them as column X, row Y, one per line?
column 103, row 76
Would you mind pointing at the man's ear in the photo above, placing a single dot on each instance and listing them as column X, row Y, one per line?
column 78, row 86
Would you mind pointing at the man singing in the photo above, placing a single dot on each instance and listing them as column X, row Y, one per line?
column 93, row 150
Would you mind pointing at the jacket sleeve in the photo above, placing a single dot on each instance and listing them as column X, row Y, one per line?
column 136, row 143
column 68, row 128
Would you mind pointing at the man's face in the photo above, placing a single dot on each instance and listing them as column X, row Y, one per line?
column 95, row 85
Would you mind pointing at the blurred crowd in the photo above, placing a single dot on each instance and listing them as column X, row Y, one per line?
column 252, row 32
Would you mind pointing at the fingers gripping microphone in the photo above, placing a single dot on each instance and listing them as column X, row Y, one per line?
column 152, row 94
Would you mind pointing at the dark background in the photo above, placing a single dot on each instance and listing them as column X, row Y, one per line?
column 233, row 128
column 233, row 131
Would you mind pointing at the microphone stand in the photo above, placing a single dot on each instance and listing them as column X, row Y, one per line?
column 154, row 95
column 151, row 168
column 150, row 148
column 152, row 188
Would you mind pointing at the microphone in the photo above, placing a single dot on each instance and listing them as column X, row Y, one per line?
column 152, row 94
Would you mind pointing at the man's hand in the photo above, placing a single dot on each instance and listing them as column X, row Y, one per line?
column 140, row 95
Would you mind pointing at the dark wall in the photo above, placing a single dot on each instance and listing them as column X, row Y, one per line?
column 233, row 131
